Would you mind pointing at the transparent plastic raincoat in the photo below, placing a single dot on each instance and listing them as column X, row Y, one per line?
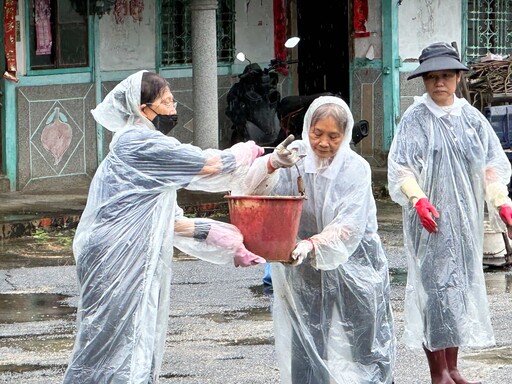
column 457, row 160
column 123, row 245
column 332, row 313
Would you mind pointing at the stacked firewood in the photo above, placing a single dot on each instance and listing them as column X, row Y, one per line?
column 490, row 76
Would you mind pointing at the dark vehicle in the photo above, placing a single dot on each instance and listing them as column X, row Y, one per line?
column 258, row 112
column 252, row 105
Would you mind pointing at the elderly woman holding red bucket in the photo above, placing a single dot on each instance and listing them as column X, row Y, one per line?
column 332, row 314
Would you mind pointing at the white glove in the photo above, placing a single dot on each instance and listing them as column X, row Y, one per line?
column 283, row 157
column 301, row 251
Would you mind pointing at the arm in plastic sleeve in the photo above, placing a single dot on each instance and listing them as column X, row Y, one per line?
column 189, row 237
column 227, row 236
column 412, row 190
column 246, row 153
column 497, row 194
column 224, row 235
column 333, row 246
column 257, row 181
column 207, row 239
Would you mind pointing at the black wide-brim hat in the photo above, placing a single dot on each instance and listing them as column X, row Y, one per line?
column 438, row 57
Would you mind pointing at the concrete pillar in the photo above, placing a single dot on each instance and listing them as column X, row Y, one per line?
column 204, row 73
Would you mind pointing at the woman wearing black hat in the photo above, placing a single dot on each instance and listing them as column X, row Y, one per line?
column 444, row 163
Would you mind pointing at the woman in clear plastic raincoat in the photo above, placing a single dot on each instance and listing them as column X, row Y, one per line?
column 124, row 242
column 332, row 314
column 444, row 163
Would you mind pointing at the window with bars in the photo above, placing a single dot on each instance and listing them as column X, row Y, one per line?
column 176, row 28
column 58, row 34
column 489, row 28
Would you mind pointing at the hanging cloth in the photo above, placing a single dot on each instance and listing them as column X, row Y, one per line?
column 10, row 39
column 136, row 9
column 43, row 27
column 360, row 18
column 280, row 35
column 120, row 11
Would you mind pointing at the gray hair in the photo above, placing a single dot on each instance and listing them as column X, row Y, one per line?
column 337, row 112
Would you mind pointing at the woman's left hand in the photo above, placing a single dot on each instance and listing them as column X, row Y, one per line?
column 506, row 215
column 245, row 258
column 301, row 251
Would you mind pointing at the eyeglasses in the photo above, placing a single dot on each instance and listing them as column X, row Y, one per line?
column 167, row 104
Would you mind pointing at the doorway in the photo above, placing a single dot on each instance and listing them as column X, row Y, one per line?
column 323, row 52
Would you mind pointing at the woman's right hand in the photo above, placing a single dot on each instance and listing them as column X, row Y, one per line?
column 282, row 157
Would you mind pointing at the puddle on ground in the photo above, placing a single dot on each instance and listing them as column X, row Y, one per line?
column 492, row 356
column 253, row 314
column 398, row 276
column 26, row 368
column 21, row 308
column 175, row 376
column 39, row 344
column 250, row 341
column 498, row 282
column 262, row 290
column 43, row 249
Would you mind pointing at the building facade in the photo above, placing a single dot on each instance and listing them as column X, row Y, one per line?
column 61, row 57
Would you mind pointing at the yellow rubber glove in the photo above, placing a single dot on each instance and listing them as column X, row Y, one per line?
column 412, row 190
column 497, row 194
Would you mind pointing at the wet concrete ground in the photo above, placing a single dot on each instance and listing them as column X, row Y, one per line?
column 220, row 321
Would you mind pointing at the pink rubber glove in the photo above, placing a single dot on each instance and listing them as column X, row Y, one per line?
column 425, row 212
column 245, row 258
column 246, row 153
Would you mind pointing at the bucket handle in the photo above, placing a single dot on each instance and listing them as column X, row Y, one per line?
column 300, row 182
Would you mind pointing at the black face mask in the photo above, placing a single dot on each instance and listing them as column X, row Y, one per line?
column 164, row 123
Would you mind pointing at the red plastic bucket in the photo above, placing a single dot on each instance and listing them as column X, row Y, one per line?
column 269, row 223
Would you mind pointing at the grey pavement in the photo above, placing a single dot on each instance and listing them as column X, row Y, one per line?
column 220, row 321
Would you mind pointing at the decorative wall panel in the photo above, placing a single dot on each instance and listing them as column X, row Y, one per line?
column 56, row 136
